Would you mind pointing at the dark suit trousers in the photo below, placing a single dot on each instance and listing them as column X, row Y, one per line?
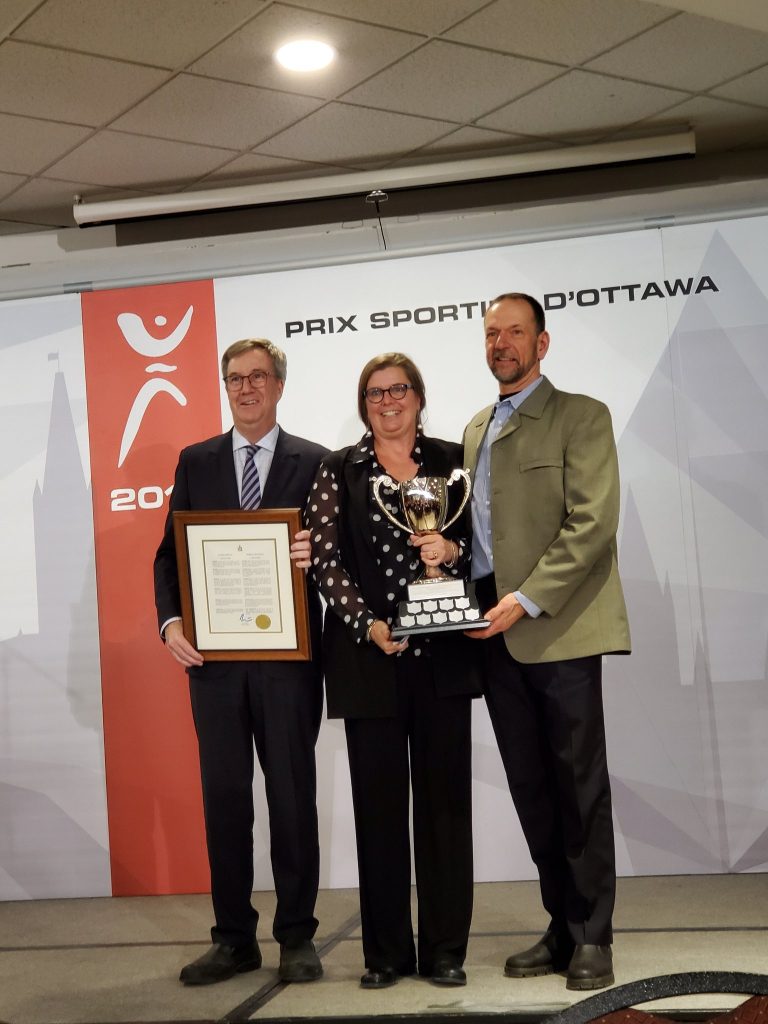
column 233, row 709
column 548, row 720
column 432, row 736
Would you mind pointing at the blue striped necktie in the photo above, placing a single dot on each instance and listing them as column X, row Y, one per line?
column 250, row 495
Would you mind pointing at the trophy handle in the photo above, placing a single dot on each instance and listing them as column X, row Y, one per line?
column 459, row 474
column 378, row 483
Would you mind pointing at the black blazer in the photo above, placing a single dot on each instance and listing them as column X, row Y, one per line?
column 360, row 678
column 206, row 480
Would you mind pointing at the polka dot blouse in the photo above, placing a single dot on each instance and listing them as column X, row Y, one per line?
column 397, row 560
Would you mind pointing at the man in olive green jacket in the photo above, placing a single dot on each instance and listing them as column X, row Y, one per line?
column 545, row 510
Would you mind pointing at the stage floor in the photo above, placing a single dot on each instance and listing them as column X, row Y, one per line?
column 117, row 960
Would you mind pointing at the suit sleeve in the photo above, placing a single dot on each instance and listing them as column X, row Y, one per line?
column 166, row 572
column 591, row 495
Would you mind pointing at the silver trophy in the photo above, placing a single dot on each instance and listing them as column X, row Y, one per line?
column 436, row 602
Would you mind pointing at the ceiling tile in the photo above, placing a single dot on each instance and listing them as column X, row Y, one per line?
column 8, row 182
column 255, row 168
column 134, row 161
column 433, row 82
column 14, row 11
column 344, row 134
column 580, row 102
column 719, row 125
column 566, row 31
column 751, row 88
column 28, row 145
column 40, row 82
column 48, row 202
column 687, row 53
column 472, row 142
column 168, row 34
column 247, row 55
column 427, row 16
column 215, row 113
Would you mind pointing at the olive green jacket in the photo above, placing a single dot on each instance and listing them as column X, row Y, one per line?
column 555, row 512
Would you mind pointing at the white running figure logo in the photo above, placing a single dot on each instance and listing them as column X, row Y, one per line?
column 141, row 341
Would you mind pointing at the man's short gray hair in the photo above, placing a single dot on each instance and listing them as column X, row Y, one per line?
column 237, row 348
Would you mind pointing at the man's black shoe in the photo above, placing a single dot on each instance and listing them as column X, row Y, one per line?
column 299, row 962
column 221, row 962
column 590, row 967
column 379, row 977
column 551, row 953
column 448, row 972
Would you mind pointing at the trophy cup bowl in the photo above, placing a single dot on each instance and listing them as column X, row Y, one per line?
column 436, row 602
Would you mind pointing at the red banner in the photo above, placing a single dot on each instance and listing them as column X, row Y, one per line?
column 152, row 382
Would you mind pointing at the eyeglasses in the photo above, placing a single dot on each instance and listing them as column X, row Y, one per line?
column 398, row 391
column 256, row 378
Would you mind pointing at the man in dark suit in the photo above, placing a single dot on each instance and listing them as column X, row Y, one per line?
column 545, row 510
column 274, row 705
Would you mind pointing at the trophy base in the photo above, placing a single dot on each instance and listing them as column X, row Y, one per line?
column 438, row 611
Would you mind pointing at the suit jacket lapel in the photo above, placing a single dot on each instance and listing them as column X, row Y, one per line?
column 280, row 472
column 510, row 426
column 533, row 406
column 474, row 437
column 223, row 473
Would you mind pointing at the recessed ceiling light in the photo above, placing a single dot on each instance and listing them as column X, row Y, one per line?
column 305, row 55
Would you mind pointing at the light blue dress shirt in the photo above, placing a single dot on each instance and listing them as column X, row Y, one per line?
column 263, row 457
column 482, row 527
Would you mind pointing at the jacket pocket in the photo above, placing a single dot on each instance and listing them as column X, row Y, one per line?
column 544, row 462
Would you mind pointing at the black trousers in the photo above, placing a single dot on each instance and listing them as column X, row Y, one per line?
column 431, row 735
column 232, row 711
column 548, row 721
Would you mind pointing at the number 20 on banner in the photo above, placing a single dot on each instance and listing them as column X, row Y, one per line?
column 128, row 499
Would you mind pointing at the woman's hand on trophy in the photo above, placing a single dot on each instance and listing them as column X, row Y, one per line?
column 435, row 549
column 380, row 634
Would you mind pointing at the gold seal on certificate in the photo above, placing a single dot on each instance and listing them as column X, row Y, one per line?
column 241, row 595
column 436, row 601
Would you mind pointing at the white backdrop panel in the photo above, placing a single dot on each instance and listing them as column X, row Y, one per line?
column 53, row 837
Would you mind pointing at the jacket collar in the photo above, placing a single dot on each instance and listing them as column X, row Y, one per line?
column 363, row 451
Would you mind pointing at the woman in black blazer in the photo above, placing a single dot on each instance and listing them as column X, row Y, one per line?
column 407, row 704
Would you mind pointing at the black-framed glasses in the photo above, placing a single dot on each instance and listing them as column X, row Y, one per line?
column 256, row 378
column 398, row 391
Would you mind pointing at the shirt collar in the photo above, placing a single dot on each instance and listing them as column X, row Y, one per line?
column 363, row 450
column 517, row 399
column 268, row 441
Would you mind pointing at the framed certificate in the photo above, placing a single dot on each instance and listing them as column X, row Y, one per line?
column 242, row 598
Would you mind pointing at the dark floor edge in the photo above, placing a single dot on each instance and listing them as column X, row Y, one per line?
column 484, row 1017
